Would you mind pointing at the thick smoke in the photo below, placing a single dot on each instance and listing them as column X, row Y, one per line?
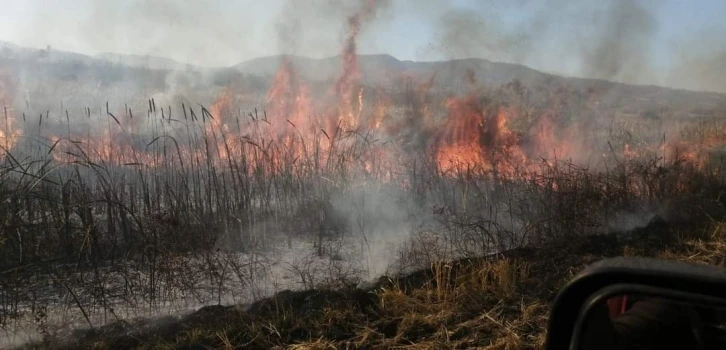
column 699, row 64
column 619, row 49
column 707, row 72
column 317, row 28
column 460, row 32
column 185, row 31
column 609, row 41
column 469, row 34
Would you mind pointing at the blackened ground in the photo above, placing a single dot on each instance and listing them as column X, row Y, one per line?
column 500, row 301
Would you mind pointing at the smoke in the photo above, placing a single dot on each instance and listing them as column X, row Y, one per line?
column 620, row 40
column 699, row 64
column 186, row 32
column 381, row 217
column 610, row 41
column 620, row 47
column 289, row 26
column 467, row 34
column 317, row 28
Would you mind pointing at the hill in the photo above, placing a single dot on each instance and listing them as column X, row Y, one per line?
column 452, row 75
column 159, row 75
column 146, row 61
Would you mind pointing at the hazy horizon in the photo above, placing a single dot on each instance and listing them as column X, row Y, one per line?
column 670, row 43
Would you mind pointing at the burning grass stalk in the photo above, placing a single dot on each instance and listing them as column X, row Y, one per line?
column 150, row 222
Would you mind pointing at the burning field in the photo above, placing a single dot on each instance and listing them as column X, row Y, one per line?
column 159, row 206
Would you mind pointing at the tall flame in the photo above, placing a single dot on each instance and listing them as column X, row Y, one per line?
column 9, row 131
column 476, row 136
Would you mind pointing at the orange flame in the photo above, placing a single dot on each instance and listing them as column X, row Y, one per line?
column 475, row 137
column 9, row 132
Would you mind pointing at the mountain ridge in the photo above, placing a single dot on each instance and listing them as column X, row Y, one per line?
column 50, row 66
column 330, row 66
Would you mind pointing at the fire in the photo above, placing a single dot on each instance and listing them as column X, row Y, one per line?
column 9, row 132
column 285, row 131
column 628, row 152
column 380, row 109
column 293, row 123
column 289, row 100
column 475, row 135
column 221, row 109
column 546, row 141
column 460, row 142
column 303, row 128
column 113, row 148
column 348, row 84
column 290, row 113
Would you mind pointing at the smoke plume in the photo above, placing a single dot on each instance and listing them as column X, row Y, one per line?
column 699, row 64
column 619, row 49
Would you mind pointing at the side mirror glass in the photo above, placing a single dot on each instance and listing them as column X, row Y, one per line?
column 638, row 318
column 634, row 303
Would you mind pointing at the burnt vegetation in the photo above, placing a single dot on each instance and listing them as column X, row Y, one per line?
column 469, row 196
column 498, row 302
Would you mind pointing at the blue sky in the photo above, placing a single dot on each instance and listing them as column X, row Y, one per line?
column 677, row 23
column 559, row 33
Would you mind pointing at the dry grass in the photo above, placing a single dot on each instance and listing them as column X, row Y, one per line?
column 489, row 303
column 167, row 218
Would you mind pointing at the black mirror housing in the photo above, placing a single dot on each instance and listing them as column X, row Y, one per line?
column 646, row 274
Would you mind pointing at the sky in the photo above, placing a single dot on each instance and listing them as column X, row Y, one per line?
column 637, row 41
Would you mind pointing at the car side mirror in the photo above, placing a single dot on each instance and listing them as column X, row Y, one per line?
column 625, row 303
